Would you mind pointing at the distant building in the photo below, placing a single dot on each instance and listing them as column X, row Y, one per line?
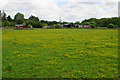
column 78, row 26
column 20, row 26
column 87, row 26
column 67, row 25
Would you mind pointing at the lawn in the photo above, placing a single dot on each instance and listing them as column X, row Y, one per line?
column 60, row 53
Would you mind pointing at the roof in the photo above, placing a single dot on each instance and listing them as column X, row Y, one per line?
column 18, row 25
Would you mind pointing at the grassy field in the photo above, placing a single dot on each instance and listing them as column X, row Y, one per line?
column 60, row 53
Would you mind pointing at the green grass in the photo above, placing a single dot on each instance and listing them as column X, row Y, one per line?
column 60, row 53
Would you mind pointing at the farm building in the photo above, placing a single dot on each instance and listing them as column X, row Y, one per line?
column 20, row 26
column 78, row 26
column 87, row 26
column 67, row 25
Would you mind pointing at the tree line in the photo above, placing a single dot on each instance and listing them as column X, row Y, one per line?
column 34, row 21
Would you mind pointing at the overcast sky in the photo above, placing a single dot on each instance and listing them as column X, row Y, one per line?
column 68, row 10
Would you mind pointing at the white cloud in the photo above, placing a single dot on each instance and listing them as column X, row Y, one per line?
column 72, row 10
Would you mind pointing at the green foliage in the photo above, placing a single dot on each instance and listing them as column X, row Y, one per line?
column 24, row 24
column 29, row 26
column 51, row 27
column 9, row 18
column 45, row 25
column 86, row 23
column 34, row 21
column 111, row 26
column 33, row 18
column 0, row 24
column 19, row 18
column 6, row 23
column 104, row 22
column 77, row 22
column 57, row 26
column 92, row 26
column 3, row 16
column 12, row 23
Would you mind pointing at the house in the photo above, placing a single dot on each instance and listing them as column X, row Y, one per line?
column 78, row 26
column 20, row 26
column 67, row 25
column 87, row 26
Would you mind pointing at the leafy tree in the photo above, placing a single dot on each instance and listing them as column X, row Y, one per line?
column 6, row 23
column 64, row 23
column 19, row 18
column 3, row 16
column 57, row 26
column 86, row 23
column 45, row 25
column 24, row 24
column 92, row 26
column 29, row 26
column 12, row 23
column 9, row 18
column 38, row 24
column 51, row 27
column 77, row 22
column 33, row 18
column 111, row 25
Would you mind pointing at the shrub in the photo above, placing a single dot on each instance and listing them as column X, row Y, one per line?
column 111, row 26
column 29, row 26
column 92, row 26
column 51, row 27
column 86, row 23
column 24, row 24
column 57, row 26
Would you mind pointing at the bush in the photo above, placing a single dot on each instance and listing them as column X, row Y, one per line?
column 111, row 26
column 92, row 26
column 51, row 27
column 24, row 24
column 57, row 26
column 86, row 23
column 29, row 26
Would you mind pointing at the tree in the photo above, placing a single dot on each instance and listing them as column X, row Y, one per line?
column 6, row 23
column 111, row 26
column 33, row 18
column 51, row 27
column 19, row 18
column 77, row 22
column 29, row 26
column 92, row 26
column 38, row 24
column 24, row 24
column 57, row 25
column 86, row 23
column 3, row 16
column 12, row 23
column 9, row 18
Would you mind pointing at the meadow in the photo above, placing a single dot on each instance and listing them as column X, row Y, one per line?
column 60, row 53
